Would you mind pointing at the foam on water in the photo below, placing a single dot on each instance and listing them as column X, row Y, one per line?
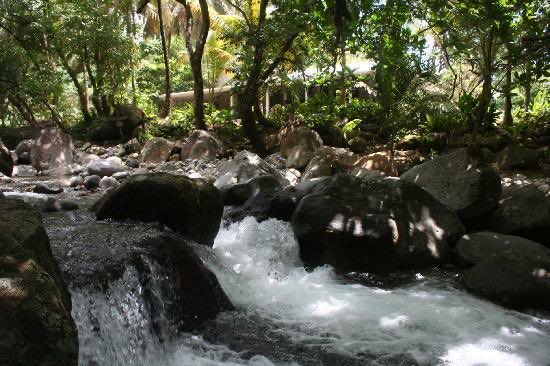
column 258, row 266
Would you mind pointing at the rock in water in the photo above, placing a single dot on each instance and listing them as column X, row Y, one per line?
column 191, row 207
column 467, row 186
column 202, row 145
column 36, row 323
column 178, row 286
column 156, row 150
column 105, row 167
column 373, row 225
column 243, row 167
column 512, row 279
column 6, row 161
column 52, row 149
column 475, row 248
column 523, row 211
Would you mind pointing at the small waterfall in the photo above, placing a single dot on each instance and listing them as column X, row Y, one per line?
column 117, row 328
column 426, row 322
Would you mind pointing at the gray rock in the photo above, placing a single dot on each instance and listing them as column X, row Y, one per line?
column 317, row 167
column 512, row 279
column 105, row 167
column 76, row 181
column 191, row 207
column 243, row 167
column 53, row 205
column 35, row 304
column 523, row 211
column 202, row 145
column 475, row 248
column 42, row 188
column 52, row 149
column 298, row 136
column 517, row 157
column 156, row 150
column 121, row 175
column 92, row 181
column 465, row 185
column 23, row 152
column 298, row 157
column 132, row 163
column 108, row 183
column 132, row 146
column 373, row 225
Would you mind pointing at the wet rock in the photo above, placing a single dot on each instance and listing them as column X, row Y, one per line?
column 121, row 175
column 202, row 145
column 108, row 183
column 23, row 152
column 187, row 292
column 42, row 188
column 475, row 248
column 367, row 173
column 51, row 150
column 156, row 150
column 6, row 161
column 191, row 207
column 243, row 167
column 464, row 184
column 239, row 193
column 36, row 322
column 523, row 211
column 373, row 225
column 517, row 158
column 105, row 167
column 92, row 182
column 277, row 160
column 53, row 205
column 512, row 279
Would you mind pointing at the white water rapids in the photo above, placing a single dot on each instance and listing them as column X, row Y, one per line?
column 258, row 265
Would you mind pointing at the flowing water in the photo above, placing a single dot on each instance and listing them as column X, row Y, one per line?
column 286, row 315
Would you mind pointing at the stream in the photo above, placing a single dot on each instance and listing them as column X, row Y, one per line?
column 289, row 315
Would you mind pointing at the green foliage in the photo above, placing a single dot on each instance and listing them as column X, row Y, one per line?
column 535, row 119
column 351, row 126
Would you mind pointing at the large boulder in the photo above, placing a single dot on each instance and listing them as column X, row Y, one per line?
column 131, row 115
column 105, row 167
column 317, row 167
column 464, row 184
column 512, row 279
column 202, row 145
column 523, row 211
column 377, row 225
column 243, row 167
column 191, row 207
column 262, row 197
column 475, row 248
column 340, row 158
column 23, row 152
column 156, row 150
column 174, row 282
column 298, row 144
column 331, row 135
column 517, row 158
column 52, row 149
column 6, row 161
column 36, row 323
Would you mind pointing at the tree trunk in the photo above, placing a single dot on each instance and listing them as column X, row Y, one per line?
column 23, row 110
column 343, row 89
column 84, row 108
column 480, row 112
column 165, row 110
column 259, row 115
column 507, row 118
column 250, row 128
column 198, row 90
